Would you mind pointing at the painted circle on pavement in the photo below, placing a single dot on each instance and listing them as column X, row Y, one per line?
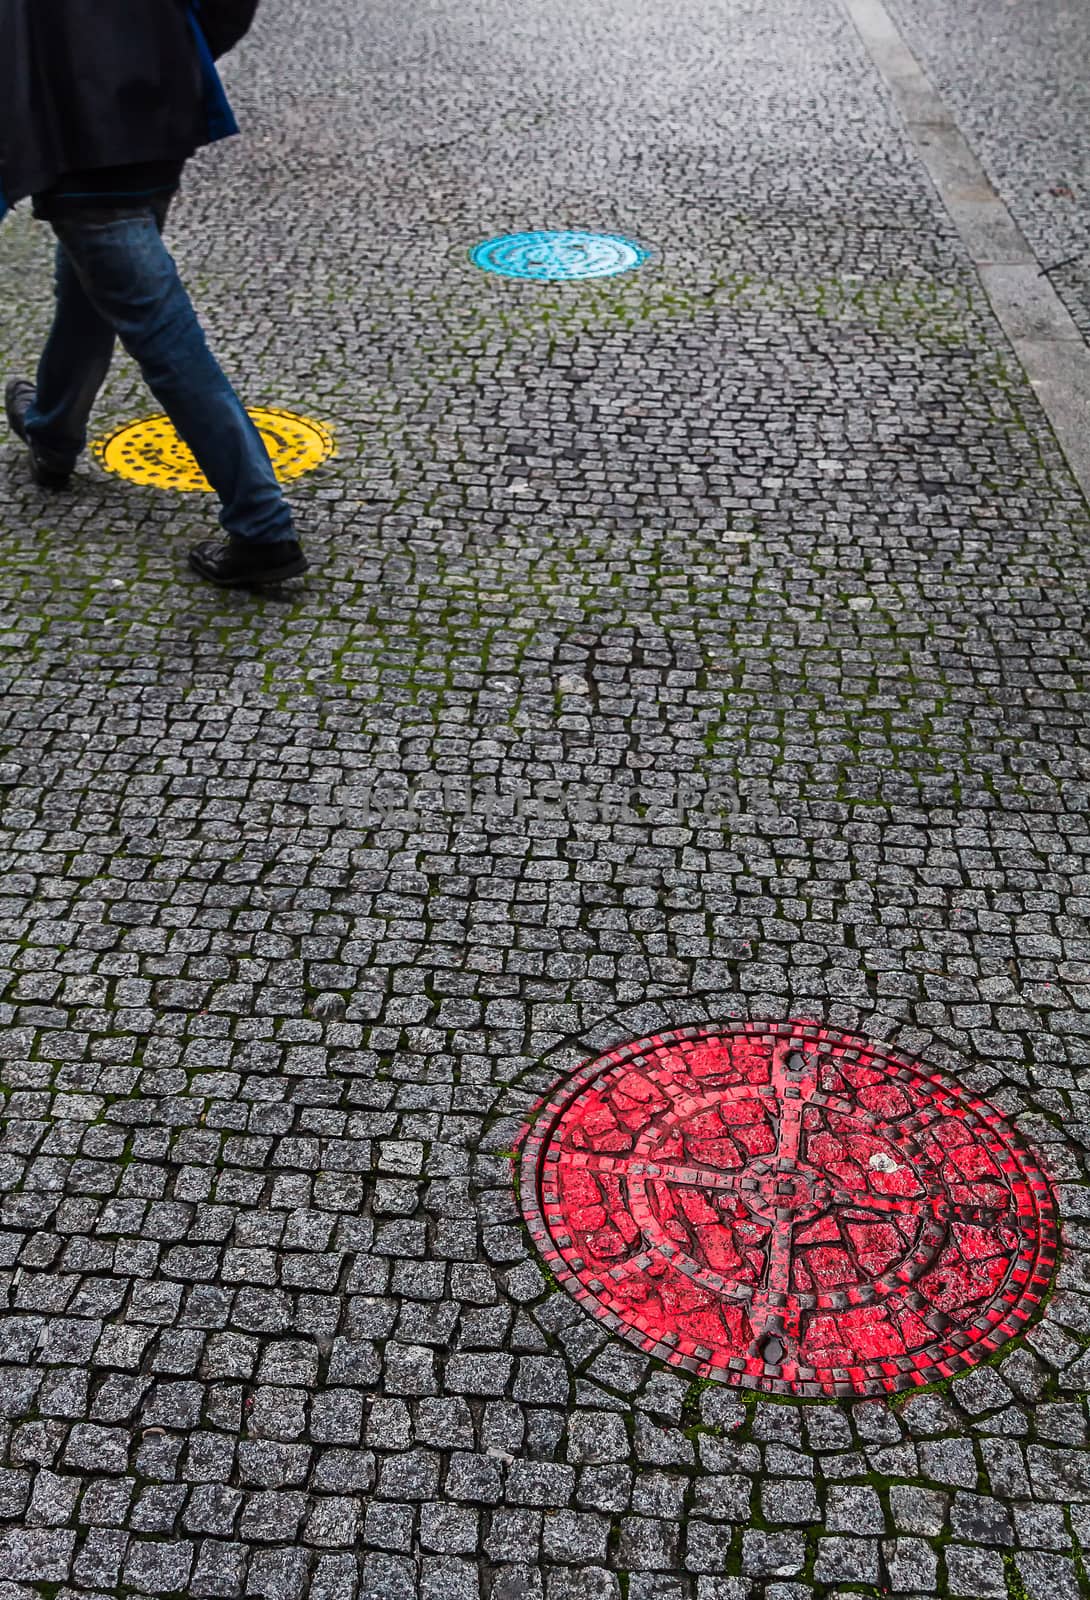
column 783, row 1207
column 558, row 257
column 150, row 452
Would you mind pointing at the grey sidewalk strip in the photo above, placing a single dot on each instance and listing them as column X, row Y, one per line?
column 1042, row 333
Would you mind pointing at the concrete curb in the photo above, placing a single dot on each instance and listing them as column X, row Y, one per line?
column 1042, row 333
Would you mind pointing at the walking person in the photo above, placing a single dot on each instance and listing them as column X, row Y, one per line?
column 102, row 102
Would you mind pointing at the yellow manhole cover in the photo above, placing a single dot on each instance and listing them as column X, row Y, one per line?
column 151, row 452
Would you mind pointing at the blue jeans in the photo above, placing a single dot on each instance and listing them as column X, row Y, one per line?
column 116, row 279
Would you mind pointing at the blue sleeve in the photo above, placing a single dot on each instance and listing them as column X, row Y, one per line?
column 221, row 119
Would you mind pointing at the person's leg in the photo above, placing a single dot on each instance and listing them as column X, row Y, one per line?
column 130, row 278
column 71, row 371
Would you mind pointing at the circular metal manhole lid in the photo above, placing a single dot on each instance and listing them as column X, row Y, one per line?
column 557, row 257
column 150, row 452
column 780, row 1206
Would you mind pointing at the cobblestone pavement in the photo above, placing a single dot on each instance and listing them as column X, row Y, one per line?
column 1015, row 75
column 759, row 575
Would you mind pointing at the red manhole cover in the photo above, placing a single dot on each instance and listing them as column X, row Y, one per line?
column 784, row 1207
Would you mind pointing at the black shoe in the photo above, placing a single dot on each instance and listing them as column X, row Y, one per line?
column 47, row 470
column 248, row 563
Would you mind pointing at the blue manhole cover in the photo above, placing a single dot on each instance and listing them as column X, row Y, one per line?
column 551, row 257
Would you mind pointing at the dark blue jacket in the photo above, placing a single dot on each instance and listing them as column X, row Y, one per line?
column 86, row 84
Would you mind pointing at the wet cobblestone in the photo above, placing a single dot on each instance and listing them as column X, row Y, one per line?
column 1027, row 124
column 706, row 643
